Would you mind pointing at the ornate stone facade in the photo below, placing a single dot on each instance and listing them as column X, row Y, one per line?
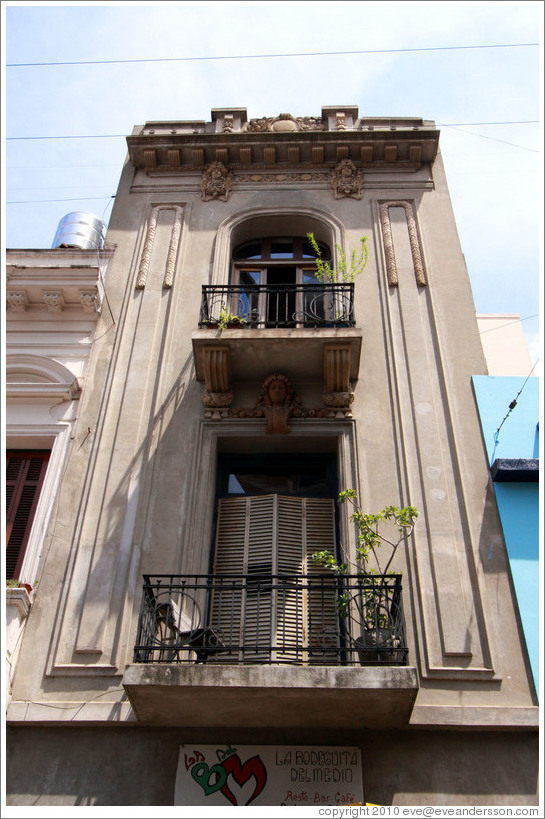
column 346, row 180
column 216, row 182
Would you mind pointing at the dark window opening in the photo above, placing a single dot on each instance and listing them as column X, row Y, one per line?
column 25, row 473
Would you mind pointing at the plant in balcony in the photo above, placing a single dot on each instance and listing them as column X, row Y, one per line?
column 371, row 602
column 227, row 319
column 347, row 269
column 18, row 584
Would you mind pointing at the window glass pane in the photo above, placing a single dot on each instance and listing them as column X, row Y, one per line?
column 250, row 250
column 250, row 276
column 310, row 253
column 241, row 483
column 309, row 277
column 282, row 249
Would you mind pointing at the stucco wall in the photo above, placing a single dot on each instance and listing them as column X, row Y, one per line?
column 137, row 766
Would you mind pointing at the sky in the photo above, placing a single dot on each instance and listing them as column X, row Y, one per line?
column 486, row 101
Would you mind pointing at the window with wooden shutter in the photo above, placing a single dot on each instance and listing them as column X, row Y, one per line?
column 25, row 473
column 280, row 608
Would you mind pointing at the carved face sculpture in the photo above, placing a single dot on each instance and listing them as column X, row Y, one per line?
column 277, row 393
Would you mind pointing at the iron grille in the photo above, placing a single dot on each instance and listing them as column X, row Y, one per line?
column 272, row 619
column 260, row 306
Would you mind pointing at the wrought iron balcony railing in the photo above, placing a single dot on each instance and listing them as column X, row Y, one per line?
column 272, row 619
column 285, row 305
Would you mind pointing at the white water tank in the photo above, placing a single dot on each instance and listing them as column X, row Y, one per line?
column 78, row 229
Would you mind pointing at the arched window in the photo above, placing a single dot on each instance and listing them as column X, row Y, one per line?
column 275, row 280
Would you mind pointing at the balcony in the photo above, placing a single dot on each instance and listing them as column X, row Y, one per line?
column 272, row 619
column 306, row 331
column 277, row 306
column 213, row 650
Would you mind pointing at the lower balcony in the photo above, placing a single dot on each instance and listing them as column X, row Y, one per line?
column 261, row 649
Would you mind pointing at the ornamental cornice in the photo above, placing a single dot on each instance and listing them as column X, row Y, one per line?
column 381, row 147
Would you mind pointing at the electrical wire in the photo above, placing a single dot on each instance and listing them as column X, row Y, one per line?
column 123, row 136
column 275, row 56
column 512, row 406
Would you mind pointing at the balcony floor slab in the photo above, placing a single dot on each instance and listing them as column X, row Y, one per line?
column 271, row 696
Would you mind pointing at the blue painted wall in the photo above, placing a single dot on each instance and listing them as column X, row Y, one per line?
column 518, row 503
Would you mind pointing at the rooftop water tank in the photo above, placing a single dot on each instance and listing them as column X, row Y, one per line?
column 78, row 229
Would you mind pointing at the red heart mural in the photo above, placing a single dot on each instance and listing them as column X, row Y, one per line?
column 242, row 773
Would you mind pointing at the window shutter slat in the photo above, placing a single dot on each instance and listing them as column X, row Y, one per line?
column 270, row 535
column 25, row 472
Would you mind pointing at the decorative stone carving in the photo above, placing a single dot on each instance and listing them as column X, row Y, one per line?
column 173, row 248
column 277, row 403
column 54, row 302
column 17, row 302
column 391, row 266
column 90, row 302
column 338, row 393
column 170, row 267
column 275, row 178
column 346, row 180
column 228, row 124
column 216, row 182
column 216, row 404
column 285, row 123
column 217, row 396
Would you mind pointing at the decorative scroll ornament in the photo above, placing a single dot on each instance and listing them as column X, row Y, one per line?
column 174, row 244
column 216, row 182
column 285, row 123
column 17, row 302
column 391, row 266
column 90, row 301
column 279, row 178
column 54, row 301
column 346, row 180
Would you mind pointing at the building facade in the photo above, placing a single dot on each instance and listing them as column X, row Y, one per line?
column 180, row 625
column 508, row 403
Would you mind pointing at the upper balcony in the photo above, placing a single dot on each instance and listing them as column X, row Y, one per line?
column 248, row 331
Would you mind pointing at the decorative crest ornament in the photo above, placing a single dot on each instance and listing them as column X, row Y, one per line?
column 216, row 182
column 285, row 123
column 346, row 180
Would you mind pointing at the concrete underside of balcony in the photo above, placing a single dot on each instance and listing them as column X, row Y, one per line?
column 254, row 354
column 272, row 696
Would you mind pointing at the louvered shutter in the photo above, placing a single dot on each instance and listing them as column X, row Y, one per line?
column 25, row 472
column 273, row 535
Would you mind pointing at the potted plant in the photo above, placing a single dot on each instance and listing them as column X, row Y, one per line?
column 228, row 319
column 371, row 605
column 18, row 584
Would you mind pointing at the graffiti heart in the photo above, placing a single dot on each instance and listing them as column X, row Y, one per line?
column 216, row 777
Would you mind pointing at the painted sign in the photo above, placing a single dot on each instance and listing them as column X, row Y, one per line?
column 268, row 775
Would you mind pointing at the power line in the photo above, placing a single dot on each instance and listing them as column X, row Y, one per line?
column 508, row 324
column 510, row 122
column 37, row 201
column 442, row 124
column 269, row 56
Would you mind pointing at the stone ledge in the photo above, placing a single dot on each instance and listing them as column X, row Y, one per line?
column 271, row 696
column 484, row 718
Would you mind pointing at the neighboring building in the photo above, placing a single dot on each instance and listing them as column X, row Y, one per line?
column 181, row 647
column 508, row 403
column 504, row 344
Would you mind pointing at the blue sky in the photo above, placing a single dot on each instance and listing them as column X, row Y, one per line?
column 495, row 172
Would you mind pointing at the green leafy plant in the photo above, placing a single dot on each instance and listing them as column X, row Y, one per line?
column 347, row 269
column 18, row 584
column 226, row 318
column 370, row 541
